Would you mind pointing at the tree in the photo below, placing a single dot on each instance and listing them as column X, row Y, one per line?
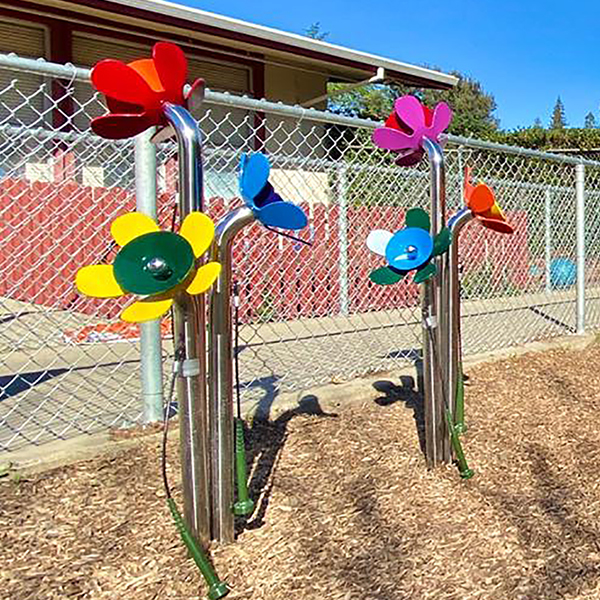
column 315, row 32
column 473, row 107
column 558, row 116
column 537, row 124
column 590, row 121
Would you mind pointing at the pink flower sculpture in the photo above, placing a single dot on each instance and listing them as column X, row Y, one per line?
column 136, row 92
column 406, row 127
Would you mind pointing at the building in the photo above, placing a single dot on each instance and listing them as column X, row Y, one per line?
column 232, row 55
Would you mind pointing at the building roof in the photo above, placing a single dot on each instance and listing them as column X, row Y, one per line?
column 275, row 46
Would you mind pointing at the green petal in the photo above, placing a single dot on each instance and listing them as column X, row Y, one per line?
column 441, row 242
column 385, row 276
column 417, row 217
column 424, row 273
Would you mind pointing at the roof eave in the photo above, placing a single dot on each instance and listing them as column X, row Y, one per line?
column 267, row 37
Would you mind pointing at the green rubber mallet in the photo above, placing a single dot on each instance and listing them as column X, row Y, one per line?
column 244, row 504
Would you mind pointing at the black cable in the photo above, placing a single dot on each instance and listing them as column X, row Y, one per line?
column 216, row 588
column 289, row 235
column 179, row 355
column 174, row 217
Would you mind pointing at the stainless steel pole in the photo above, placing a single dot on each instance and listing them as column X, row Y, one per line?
column 454, row 387
column 150, row 343
column 189, row 326
column 435, row 309
column 220, row 376
column 580, row 190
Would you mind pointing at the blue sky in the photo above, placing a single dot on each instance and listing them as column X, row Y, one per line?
column 525, row 52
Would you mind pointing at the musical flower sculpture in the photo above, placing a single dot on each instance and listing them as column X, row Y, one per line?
column 136, row 92
column 482, row 203
column 152, row 263
column 258, row 194
column 410, row 249
column 406, row 127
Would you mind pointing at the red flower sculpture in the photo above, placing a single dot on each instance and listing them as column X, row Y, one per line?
column 136, row 92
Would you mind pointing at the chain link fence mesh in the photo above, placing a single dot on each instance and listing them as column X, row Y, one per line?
column 309, row 314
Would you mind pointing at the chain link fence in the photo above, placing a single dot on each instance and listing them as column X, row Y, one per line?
column 309, row 314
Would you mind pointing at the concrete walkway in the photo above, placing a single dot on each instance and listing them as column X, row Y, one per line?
column 50, row 389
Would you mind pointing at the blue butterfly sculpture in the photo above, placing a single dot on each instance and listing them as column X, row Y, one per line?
column 259, row 195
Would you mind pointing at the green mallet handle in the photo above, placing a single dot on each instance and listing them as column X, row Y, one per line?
column 463, row 467
column 244, row 505
column 216, row 588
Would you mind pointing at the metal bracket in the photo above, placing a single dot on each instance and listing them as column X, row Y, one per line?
column 431, row 322
column 187, row 368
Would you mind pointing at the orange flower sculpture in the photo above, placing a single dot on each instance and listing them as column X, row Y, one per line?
column 482, row 203
column 136, row 92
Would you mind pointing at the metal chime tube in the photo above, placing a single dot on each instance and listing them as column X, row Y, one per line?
column 437, row 443
column 453, row 332
column 220, row 377
column 189, row 327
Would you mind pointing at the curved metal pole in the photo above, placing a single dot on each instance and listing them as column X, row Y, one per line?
column 189, row 328
column 220, row 376
column 455, row 391
column 437, row 442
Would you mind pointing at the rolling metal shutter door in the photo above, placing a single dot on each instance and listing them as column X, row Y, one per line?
column 22, row 103
column 88, row 50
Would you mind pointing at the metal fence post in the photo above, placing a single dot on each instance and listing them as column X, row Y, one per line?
column 343, row 235
column 548, row 237
column 580, row 204
column 150, row 343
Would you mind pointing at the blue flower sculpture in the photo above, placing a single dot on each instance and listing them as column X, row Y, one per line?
column 410, row 249
column 259, row 195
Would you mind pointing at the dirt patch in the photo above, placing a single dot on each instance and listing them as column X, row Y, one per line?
column 345, row 506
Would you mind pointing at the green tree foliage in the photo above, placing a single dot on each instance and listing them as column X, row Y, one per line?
column 538, row 123
column 558, row 116
column 551, row 139
column 590, row 121
column 473, row 108
column 315, row 32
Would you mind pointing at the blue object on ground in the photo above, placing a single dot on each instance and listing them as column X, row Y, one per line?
column 563, row 273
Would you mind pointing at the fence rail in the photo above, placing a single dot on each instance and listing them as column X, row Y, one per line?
column 310, row 315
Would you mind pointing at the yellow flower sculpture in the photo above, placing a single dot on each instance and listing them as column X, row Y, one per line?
column 152, row 263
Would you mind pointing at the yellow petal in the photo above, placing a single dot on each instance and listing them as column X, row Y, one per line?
column 495, row 212
column 131, row 225
column 146, row 310
column 204, row 278
column 98, row 281
column 199, row 231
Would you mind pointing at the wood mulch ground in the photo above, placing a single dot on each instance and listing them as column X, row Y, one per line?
column 346, row 508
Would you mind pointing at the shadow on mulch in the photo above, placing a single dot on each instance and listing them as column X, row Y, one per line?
column 265, row 440
column 561, row 507
column 407, row 393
